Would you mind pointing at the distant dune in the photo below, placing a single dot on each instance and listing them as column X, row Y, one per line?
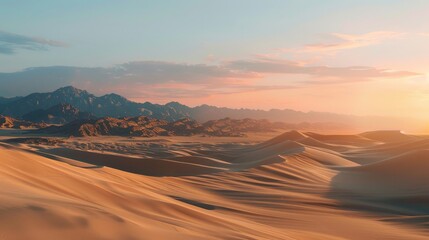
column 297, row 185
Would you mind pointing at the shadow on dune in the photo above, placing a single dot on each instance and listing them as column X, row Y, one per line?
column 52, row 157
column 195, row 203
column 145, row 166
column 396, row 188
column 405, row 210
column 159, row 166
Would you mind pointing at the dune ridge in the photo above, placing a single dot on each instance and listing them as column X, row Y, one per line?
column 294, row 186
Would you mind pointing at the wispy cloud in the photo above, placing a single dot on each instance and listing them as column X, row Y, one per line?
column 169, row 80
column 343, row 41
column 128, row 78
column 340, row 74
column 167, row 92
column 10, row 43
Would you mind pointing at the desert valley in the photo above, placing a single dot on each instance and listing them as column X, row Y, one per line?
column 214, row 120
column 73, row 175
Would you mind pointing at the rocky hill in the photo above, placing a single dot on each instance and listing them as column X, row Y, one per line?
column 129, row 126
column 12, row 123
column 149, row 127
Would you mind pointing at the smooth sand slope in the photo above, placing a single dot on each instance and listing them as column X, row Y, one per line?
column 294, row 186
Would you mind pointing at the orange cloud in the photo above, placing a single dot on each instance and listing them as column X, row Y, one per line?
column 350, row 41
column 338, row 74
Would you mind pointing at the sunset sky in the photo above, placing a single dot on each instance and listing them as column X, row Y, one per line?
column 363, row 57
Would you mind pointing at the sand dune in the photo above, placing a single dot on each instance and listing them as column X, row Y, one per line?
column 294, row 186
column 352, row 140
column 387, row 136
column 402, row 176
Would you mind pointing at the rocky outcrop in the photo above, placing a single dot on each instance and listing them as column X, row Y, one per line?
column 150, row 127
column 130, row 126
column 12, row 123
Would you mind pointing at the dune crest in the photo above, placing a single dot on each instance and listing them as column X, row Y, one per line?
column 293, row 186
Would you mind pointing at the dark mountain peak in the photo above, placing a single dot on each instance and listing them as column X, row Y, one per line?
column 114, row 96
column 174, row 104
column 205, row 106
column 178, row 107
column 70, row 90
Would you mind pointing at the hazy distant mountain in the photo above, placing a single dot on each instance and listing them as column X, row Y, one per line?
column 228, row 126
column 206, row 112
column 58, row 114
column 113, row 105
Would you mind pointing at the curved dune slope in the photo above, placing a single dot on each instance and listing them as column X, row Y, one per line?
column 288, row 187
column 402, row 176
column 387, row 136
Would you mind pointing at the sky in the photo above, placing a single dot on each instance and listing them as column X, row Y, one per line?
column 363, row 57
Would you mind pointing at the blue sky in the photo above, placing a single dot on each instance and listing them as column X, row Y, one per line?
column 100, row 33
column 237, row 53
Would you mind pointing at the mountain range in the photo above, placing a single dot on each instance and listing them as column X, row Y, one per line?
column 69, row 103
column 58, row 114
